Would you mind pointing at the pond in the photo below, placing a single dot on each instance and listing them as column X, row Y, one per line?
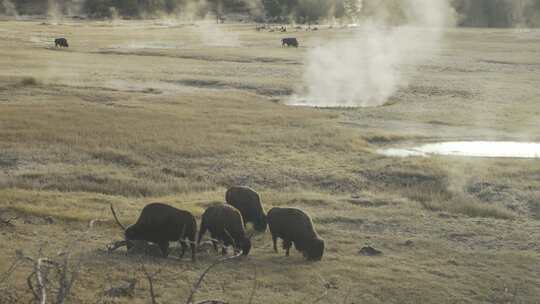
column 469, row 149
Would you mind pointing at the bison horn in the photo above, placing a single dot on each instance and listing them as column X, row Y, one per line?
column 116, row 218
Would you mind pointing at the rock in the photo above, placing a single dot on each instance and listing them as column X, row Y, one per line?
column 369, row 251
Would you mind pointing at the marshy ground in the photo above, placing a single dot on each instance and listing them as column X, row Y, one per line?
column 135, row 112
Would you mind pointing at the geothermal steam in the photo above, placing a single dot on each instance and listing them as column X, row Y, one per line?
column 9, row 8
column 368, row 69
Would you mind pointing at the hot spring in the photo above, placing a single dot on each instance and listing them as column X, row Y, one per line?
column 469, row 149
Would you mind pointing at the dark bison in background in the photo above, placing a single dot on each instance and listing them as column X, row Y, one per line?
column 289, row 42
column 62, row 42
column 248, row 202
column 225, row 224
column 294, row 226
column 160, row 224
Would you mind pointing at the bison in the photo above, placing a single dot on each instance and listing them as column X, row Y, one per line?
column 160, row 224
column 62, row 42
column 225, row 224
column 294, row 226
column 248, row 202
column 289, row 42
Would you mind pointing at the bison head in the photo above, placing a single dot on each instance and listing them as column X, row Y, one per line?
column 246, row 246
column 132, row 233
column 314, row 250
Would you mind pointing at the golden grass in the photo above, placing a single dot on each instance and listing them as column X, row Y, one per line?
column 115, row 119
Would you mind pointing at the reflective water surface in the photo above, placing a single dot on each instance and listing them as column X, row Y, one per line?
column 469, row 148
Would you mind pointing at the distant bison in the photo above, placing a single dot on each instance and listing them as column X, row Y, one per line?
column 225, row 224
column 248, row 202
column 160, row 223
column 289, row 42
column 62, row 42
column 294, row 226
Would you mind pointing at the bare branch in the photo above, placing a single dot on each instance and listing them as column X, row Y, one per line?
column 205, row 272
column 66, row 277
column 31, row 286
column 116, row 218
column 16, row 263
column 116, row 245
column 322, row 296
column 150, row 277
column 41, row 290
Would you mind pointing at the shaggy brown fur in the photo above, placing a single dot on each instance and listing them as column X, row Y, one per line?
column 225, row 224
column 248, row 202
column 160, row 223
column 61, row 42
column 294, row 226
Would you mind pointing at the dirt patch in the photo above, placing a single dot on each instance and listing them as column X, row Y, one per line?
column 510, row 63
column 434, row 91
column 201, row 57
column 215, row 84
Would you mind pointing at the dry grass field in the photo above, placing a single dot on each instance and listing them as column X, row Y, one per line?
column 141, row 111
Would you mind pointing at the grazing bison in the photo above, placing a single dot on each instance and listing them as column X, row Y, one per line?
column 225, row 224
column 289, row 42
column 248, row 202
column 294, row 226
column 62, row 42
column 160, row 223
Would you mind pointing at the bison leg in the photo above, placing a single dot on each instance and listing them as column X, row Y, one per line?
column 184, row 247
column 193, row 247
column 274, row 239
column 201, row 233
column 164, row 248
column 287, row 246
column 224, row 250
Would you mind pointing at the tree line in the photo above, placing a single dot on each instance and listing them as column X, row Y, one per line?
column 479, row 13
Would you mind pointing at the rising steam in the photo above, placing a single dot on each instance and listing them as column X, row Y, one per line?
column 368, row 69
column 9, row 8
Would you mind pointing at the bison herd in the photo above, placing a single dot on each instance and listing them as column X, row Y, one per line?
column 62, row 42
column 160, row 224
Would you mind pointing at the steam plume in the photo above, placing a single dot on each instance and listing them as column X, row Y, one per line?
column 367, row 70
column 9, row 8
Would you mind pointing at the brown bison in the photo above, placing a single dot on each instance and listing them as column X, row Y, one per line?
column 62, row 42
column 160, row 224
column 289, row 42
column 225, row 224
column 294, row 226
column 248, row 202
